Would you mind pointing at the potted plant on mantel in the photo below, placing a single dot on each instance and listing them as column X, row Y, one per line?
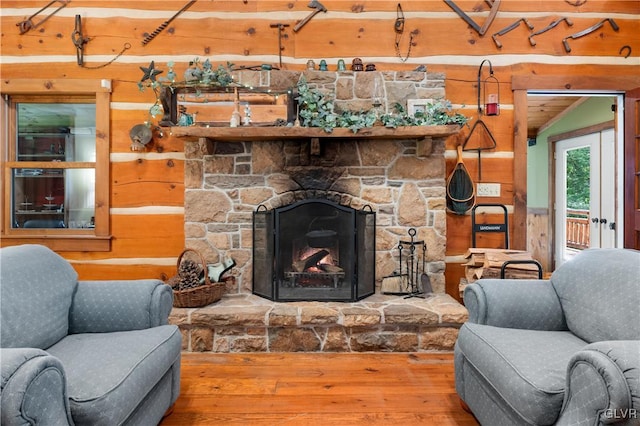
column 314, row 108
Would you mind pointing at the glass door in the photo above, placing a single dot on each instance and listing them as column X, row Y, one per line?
column 585, row 194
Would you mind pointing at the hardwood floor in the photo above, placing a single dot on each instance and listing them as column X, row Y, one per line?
column 318, row 389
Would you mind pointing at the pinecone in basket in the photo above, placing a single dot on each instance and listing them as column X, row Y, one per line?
column 189, row 273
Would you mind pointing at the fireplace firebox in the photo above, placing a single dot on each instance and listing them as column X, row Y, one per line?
column 314, row 250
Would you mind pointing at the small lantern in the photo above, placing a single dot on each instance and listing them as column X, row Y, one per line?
column 492, row 96
column 491, row 88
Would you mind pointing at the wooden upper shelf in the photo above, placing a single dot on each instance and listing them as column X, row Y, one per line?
column 264, row 133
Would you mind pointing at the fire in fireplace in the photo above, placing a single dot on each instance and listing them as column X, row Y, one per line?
column 314, row 250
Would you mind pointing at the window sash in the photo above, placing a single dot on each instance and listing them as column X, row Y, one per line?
column 58, row 91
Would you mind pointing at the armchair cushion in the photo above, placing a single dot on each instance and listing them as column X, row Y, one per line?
column 112, row 372
column 525, row 368
column 593, row 310
column 35, row 307
column 107, row 306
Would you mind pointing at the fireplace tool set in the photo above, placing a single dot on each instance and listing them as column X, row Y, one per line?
column 413, row 266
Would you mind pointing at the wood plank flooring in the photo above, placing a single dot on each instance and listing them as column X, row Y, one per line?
column 318, row 389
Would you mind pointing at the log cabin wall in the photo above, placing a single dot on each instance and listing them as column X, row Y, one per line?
column 147, row 188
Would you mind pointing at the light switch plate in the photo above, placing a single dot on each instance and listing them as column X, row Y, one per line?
column 488, row 190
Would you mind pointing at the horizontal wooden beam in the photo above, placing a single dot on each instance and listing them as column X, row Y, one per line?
column 259, row 133
column 30, row 86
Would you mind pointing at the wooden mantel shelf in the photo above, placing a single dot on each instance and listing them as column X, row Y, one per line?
column 264, row 133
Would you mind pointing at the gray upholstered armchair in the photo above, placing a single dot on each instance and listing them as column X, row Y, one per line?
column 83, row 352
column 564, row 351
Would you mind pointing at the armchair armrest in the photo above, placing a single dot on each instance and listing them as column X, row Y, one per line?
column 34, row 388
column 524, row 304
column 603, row 384
column 108, row 306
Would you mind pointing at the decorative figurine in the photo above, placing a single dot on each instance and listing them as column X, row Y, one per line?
column 246, row 120
column 235, row 115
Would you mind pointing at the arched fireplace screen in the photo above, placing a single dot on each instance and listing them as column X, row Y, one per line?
column 314, row 250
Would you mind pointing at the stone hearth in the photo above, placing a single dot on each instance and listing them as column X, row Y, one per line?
column 380, row 323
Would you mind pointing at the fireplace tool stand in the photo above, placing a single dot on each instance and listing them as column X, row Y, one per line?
column 412, row 265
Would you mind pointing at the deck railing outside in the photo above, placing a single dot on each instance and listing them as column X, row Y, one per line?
column 578, row 229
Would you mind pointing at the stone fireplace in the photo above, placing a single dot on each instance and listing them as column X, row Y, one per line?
column 399, row 181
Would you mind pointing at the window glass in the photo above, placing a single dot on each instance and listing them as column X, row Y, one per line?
column 56, row 142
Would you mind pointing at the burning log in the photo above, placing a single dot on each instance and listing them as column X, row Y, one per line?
column 309, row 261
column 332, row 269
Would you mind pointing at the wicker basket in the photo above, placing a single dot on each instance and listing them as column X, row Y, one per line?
column 203, row 295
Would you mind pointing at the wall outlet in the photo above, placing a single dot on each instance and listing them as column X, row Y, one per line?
column 488, row 190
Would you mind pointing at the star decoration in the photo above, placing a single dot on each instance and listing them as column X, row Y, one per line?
column 150, row 72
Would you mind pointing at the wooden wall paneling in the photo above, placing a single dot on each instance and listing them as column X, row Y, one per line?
column 538, row 237
column 145, row 227
column 213, row 36
column 617, row 6
column 92, row 271
column 147, row 182
column 148, row 235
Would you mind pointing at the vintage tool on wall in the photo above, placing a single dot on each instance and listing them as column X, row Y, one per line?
column 461, row 192
column 79, row 41
column 511, row 27
column 28, row 23
column 549, row 27
column 481, row 30
column 626, row 48
column 313, row 4
column 281, row 36
column 166, row 23
column 398, row 27
column 492, row 107
column 565, row 41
